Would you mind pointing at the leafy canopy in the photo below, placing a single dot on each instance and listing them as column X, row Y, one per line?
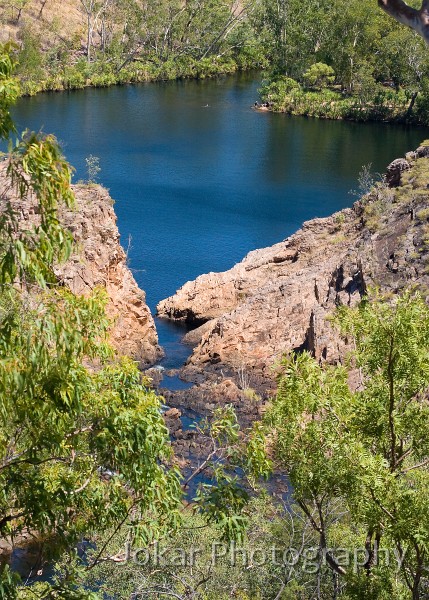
column 82, row 448
column 367, row 447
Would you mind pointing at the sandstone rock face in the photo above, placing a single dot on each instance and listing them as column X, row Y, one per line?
column 101, row 260
column 278, row 299
column 275, row 300
column 394, row 171
column 98, row 260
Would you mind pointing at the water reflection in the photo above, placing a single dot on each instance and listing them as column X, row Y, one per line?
column 198, row 187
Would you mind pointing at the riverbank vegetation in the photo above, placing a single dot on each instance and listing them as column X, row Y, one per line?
column 100, row 43
column 283, row 94
column 343, row 59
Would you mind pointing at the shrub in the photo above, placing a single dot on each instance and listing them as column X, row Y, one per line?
column 319, row 76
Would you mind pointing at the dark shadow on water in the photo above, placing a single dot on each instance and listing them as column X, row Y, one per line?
column 170, row 339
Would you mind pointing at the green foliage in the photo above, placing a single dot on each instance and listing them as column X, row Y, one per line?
column 9, row 90
column 131, row 42
column 223, row 501
column 194, row 560
column 8, row 583
column 370, row 102
column 381, row 68
column 276, row 91
column 368, row 448
column 367, row 180
column 319, row 75
column 83, row 444
column 36, row 168
column 30, row 58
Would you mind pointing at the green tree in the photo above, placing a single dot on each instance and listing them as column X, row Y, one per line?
column 355, row 30
column 222, row 517
column 319, row 75
column 81, row 447
column 9, row 91
column 293, row 32
column 368, row 448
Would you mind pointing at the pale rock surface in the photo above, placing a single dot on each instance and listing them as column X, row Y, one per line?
column 278, row 299
column 98, row 260
column 101, row 260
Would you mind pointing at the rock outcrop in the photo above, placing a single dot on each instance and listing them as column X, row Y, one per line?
column 278, row 299
column 98, row 260
column 101, row 260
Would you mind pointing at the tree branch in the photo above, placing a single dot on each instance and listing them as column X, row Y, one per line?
column 414, row 467
column 405, row 14
column 200, row 468
column 330, row 559
column 391, row 375
column 9, row 518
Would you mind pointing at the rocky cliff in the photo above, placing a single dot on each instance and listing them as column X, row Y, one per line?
column 278, row 299
column 99, row 260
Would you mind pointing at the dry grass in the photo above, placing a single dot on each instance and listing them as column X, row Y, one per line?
column 55, row 20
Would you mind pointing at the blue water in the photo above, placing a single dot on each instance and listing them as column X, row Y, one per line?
column 196, row 186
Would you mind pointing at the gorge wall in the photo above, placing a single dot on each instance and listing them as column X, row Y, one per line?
column 98, row 260
column 278, row 298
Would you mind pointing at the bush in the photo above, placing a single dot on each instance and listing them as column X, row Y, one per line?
column 319, row 76
column 276, row 91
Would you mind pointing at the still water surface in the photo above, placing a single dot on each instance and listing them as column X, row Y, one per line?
column 200, row 178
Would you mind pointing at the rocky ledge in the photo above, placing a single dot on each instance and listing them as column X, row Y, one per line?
column 98, row 260
column 278, row 299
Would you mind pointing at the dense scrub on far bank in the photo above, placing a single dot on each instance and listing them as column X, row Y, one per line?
column 286, row 95
column 333, row 59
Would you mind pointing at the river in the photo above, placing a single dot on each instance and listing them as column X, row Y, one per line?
column 199, row 178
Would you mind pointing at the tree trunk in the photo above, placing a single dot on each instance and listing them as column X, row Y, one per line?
column 88, row 39
column 405, row 14
column 411, row 106
column 42, row 7
column 416, row 587
column 103, row 35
